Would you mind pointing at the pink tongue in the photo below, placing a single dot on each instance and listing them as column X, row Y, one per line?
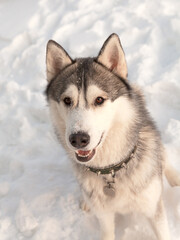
column 83, row 153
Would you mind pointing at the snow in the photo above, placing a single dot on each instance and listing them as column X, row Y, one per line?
column 39, row 196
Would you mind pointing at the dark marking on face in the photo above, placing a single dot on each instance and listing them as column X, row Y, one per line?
column 85, row 72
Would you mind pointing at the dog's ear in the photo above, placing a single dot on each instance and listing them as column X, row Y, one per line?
column 112, row 56
column 56, row 59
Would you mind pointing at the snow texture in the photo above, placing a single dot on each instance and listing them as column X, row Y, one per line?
column 39, row 196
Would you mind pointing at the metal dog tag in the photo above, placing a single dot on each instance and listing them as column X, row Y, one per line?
column 109, row 191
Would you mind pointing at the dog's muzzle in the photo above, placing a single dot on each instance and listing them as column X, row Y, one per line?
column 80, row 141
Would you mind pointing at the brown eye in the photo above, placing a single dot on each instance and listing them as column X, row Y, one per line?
column 67, row 101
column 99, row 101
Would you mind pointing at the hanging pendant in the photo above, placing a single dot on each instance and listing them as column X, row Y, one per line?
column 109, row 190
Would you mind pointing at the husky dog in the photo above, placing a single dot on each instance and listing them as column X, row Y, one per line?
column 102, row 121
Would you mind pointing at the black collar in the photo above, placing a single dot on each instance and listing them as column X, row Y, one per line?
column 113, row 168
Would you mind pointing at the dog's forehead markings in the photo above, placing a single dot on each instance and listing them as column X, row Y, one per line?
column 83, row 69
column 71, row 91
column 82, row 100
column 80, row 73
column 94, row 91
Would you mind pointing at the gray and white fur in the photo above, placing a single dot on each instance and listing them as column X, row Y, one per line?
column 100, row 117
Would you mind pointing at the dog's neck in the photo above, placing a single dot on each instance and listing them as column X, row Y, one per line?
column 112, row 169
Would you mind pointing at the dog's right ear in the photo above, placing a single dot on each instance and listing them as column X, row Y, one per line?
column 56, row 59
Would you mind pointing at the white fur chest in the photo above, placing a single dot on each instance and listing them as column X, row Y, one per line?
column 128, row 196
column 93, row 189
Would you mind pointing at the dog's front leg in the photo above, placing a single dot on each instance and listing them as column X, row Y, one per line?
column 159, row 223
column 84, row 206
column 107, row 223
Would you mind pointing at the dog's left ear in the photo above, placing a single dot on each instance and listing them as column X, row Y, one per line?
column 56, row 59
column 112, row 56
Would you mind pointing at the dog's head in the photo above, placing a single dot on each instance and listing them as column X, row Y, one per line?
column 87, row 96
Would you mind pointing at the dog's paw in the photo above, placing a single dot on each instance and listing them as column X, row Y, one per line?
column 84, row 206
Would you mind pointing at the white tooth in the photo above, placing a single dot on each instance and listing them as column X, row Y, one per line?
column 83, row 155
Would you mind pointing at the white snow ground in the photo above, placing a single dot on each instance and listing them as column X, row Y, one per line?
column 38, row 193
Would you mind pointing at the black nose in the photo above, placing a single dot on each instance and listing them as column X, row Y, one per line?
column 79, row 139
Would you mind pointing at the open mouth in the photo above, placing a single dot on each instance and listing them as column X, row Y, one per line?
column 85, row 156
